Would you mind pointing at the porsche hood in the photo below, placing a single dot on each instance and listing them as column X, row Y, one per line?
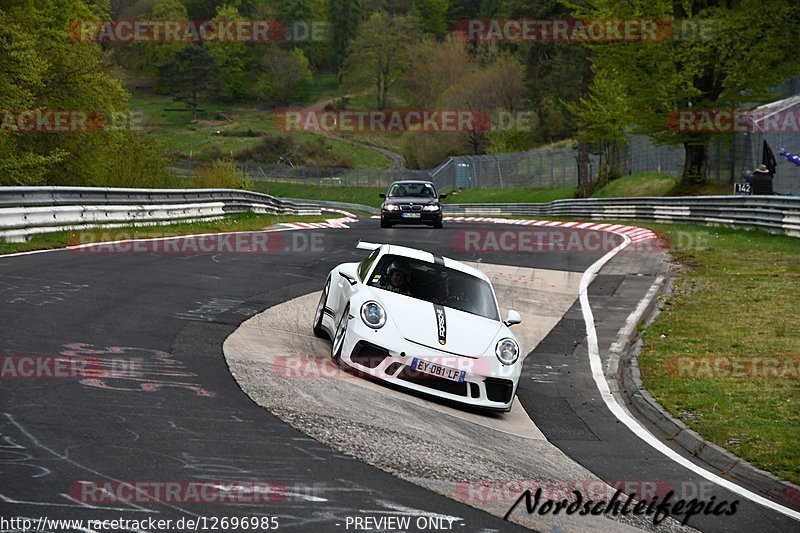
column 439, row 327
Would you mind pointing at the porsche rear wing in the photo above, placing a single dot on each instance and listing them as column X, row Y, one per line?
column 368, row 246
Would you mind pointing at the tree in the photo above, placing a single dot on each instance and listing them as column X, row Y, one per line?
column 734, row 65
column 231, row 59
column 379, row 55
column 437, row 67
column 498, row 88
column 299, row 15
column 146, row 57
column 191, row 74
column 202, row 9
column 138, row 161
column 22, row 73
column 602, row 117
column 344, row 19
column 468, row 9
column 431, row 15
column 285, row 74
column 42, row 68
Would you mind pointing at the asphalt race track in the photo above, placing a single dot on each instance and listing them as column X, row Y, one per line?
column 162, row 405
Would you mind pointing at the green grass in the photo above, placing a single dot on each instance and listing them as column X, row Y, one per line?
column 369, row 195
column 642, row 184
column 359, row 156
column 238, row 222
column 388, row 140
column 493, row 196
column 175, row 129
column 645, row 184
column 357, row 195
column 738, row 298
column 704, row 189
column 322, row 85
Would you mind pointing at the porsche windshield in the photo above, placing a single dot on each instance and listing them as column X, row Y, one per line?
column 436, row 284
column 412, row 190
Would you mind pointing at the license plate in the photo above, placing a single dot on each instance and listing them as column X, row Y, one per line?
column 439, row 371
column 411, row 215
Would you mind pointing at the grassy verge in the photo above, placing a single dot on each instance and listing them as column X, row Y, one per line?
column 709, row 188
column 322, row 85
column 357, row 195
column 642, row 184
column 735, row 309
column 723, row 356
column 494, row 196
column 238, row 222
column 165, row 120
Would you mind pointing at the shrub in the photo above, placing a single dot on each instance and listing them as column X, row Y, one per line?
column 220, row 174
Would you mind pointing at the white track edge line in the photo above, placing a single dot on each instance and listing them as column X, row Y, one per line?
column 284, row 227
column 632, row 423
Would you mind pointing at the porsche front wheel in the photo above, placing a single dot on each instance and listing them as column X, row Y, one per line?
column 323, row 299
column 338, row 338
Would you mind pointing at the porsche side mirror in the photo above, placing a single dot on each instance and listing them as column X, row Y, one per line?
column 442, row 196
column 382, row 195
column 512, row 318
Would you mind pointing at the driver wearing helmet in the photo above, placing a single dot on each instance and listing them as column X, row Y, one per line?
column 397, row 277
column 457, row 293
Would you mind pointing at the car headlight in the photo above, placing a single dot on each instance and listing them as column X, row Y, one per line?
column 373, row 314
column 391, row 207
column 507, row 351
column 431, row 208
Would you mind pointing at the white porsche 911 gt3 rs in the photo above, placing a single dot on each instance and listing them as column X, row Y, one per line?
column 421, row 322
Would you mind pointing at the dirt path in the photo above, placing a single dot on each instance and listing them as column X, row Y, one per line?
column 396, row 160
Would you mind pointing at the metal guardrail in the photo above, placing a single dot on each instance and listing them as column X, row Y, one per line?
column 25, row 211
column 338, row 205
column 775, row 214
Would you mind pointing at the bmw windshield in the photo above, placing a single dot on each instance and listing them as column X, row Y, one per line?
column 436, row 284
column 412, row 190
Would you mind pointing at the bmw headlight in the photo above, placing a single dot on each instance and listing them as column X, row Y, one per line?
column 373, row 314
column 391, row 207
column 507, row 351
column 431, row 208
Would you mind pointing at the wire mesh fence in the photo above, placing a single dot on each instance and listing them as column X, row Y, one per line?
column 319, row 176
column 541, row 169
column 727, row 158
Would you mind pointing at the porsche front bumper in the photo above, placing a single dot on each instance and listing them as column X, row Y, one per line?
column 481, row 382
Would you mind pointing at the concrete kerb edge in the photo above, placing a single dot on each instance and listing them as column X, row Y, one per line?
column 728, row 464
